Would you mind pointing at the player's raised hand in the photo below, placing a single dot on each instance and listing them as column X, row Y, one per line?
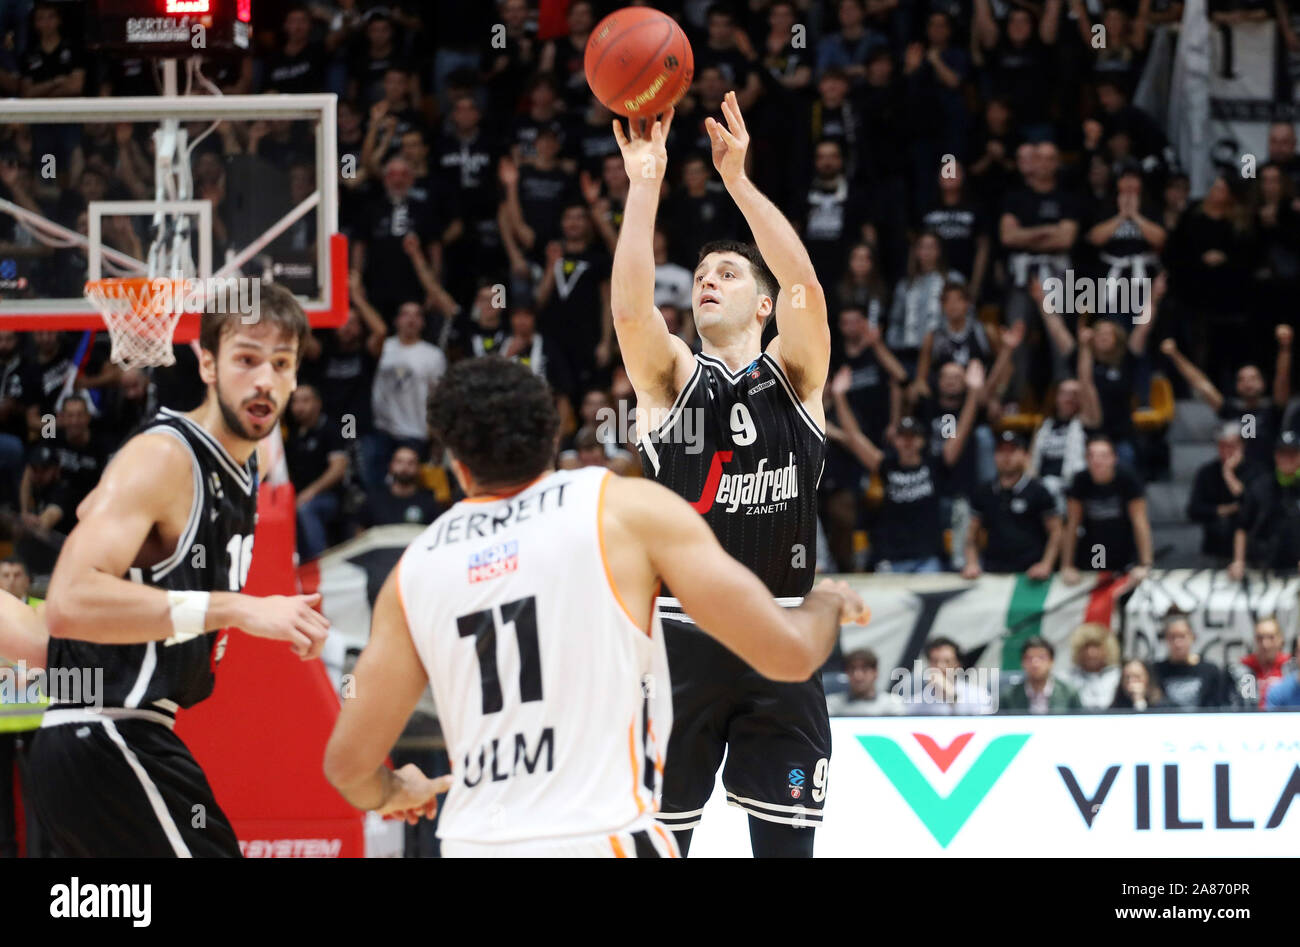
column 415, row 796
column 644, row 147
column 729, row 143
column 291, row 618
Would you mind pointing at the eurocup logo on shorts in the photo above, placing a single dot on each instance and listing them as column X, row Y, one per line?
column 796, row 778
column 494, row 561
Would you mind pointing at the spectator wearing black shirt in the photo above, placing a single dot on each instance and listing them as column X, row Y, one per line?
column 869, row 377
column 699, row 212
column 1187, row 680
column 390, row 119
column 1038, row 226
column 962, row 228
column 53, row 67
column 935, row 75
column 545, row 110
column 81, row 454
column 126, row 405
column 834, row 213
column 391, row 277
column 958, row 338
column 909, row 531
column 45, row 511
column 993, row 147
column 401, row 498
column 341, row 365
column 379, row 51
column 1268, row 524
column 1108, row 365
column 848, row 48
column 318, row 461
column 563, row 57
column 1256, row 414
column 535, row 195
column 1217, row 491
column 1019, row 60
column 1208, row 256
column 508, row 65
column 728, row 49
column 1106, row 522
column 1127, row 240
column 833, row 116
column 466, row 156
column 574, row 296
column 974, row 461
column 50, row 370
column 298, row 65
column 1024, row 528
column 525, row 344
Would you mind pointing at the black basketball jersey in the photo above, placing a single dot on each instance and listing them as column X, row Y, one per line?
column 212, row 555
column 747, row 455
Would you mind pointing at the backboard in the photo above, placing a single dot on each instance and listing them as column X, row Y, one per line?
column 244, row 186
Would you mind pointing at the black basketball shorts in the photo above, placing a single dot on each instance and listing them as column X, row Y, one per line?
column 776, row 736
column 108, row 786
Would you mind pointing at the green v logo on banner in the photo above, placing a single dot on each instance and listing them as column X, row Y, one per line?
column 944, row 816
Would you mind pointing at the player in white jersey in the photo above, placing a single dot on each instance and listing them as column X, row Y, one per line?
column 529, row 608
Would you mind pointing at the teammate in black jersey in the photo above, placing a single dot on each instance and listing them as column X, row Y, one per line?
column 739, row 432
column 143, row 584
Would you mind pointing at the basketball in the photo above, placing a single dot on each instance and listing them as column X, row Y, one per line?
column 639, row 62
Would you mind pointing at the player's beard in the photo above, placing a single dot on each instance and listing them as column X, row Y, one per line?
column 231, row 416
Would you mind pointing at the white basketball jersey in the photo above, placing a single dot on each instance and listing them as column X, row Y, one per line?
column 554, row 700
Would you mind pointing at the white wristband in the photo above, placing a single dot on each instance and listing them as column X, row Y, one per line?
column 189, row 613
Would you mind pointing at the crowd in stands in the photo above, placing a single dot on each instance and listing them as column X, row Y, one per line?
column 946, row 162
column 1095, row 679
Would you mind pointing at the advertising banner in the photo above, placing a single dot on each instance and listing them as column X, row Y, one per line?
column 1202, row 785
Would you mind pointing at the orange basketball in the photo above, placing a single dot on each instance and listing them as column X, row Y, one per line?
column 638, row 62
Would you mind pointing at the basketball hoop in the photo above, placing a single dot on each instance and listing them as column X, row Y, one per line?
column 141, row 313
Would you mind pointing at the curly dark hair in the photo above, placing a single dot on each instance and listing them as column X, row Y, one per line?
column 497, row 417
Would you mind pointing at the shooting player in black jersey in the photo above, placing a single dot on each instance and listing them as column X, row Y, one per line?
column 143, row 584
column 739, row 432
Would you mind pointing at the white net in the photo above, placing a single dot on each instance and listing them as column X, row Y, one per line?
column 141, row 315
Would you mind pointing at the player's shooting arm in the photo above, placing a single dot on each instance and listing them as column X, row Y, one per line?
column 389, row 680
column 651, row 354
column 803, row 345
column 88, row 598
column 22, row 633
column 652, row 533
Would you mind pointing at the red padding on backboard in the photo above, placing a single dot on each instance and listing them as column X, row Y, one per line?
column 261, row 736
column 333, row 315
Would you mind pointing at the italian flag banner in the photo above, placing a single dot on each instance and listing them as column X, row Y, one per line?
column 988, row 618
